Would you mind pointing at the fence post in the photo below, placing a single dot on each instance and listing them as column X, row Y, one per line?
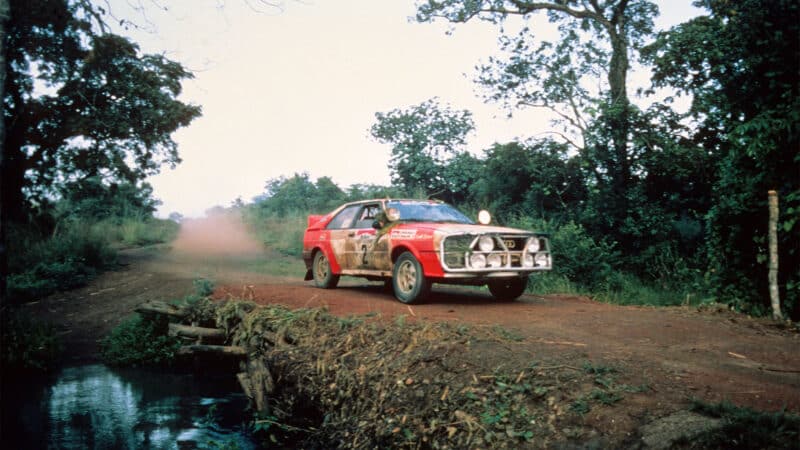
column 772, row 275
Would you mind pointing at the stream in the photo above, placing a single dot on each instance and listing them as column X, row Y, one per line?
column 96, row 407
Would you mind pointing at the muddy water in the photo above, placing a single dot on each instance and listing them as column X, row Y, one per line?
column 94, row 407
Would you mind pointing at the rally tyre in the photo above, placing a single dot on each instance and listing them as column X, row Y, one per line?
column 323, row 275
column 408, row 280
column 508, row 289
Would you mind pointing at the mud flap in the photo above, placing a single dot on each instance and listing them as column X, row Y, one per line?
column 309, row 275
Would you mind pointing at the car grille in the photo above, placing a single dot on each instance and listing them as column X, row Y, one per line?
column 509, row 253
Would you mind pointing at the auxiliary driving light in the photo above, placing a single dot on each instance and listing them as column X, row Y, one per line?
column 533, row 245
column 542, row 260
column 486, row 243
column 495, row 260
column 527, row 260
column 477, row 261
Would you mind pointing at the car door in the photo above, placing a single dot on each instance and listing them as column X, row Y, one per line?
column 360, row 240
column 339, row 228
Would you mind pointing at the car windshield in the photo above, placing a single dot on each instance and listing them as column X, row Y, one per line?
column 428, row 212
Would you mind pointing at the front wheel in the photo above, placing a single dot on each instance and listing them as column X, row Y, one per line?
column 323, row 276
column 408, row 279
column 508, row 289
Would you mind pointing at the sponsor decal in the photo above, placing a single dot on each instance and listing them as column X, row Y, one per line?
column 403, row 234
column 423, row 237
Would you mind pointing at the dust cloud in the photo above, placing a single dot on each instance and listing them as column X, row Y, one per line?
column 218, row 235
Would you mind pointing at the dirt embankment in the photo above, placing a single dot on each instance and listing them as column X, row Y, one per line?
column 674, row 354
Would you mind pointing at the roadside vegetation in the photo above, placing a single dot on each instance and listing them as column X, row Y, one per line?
column 744, row 428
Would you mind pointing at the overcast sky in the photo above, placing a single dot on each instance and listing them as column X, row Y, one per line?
column 297, row 90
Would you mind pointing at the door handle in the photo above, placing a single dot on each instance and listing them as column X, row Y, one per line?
column 351, row 234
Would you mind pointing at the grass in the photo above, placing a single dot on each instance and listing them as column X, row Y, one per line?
column 137, row 342
column 28, row 344
column 69, row 256
column 745, row 428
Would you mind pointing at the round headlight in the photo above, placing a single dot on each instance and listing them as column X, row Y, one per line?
column 477, row 261
column 495, row 260
column 533, row 245
column 542, row 260
column 486, row 243
column 484, row 217
column 527, row 260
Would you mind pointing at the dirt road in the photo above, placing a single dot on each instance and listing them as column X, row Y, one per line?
column 677, row 353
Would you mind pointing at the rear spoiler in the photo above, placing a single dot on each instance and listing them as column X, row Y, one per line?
column 313, row 219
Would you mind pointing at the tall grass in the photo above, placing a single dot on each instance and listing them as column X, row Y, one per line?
column 73, row 252
column 283, row 234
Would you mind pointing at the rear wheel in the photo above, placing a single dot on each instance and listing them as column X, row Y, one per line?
column 408, row 279
column 508, row 289
column 323, row 276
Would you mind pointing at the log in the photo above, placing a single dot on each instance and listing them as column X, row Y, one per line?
column 157, row 307
column 204, row 334
column 257, row 384
column 221, row 350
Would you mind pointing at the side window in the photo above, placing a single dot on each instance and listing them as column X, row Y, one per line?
column 367, row 216
column 344, row 219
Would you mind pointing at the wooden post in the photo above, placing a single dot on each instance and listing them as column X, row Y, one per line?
column 772, row 275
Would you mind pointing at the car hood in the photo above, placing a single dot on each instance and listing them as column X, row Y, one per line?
column 459, row 228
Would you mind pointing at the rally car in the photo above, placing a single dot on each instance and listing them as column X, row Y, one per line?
column 415, row 243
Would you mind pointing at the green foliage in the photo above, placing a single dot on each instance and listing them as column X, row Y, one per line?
column 74, row 252
column 739, row 62
column 423, row 138
column 138, row 342
column 108, row 110
column 576, row 255
column 68, row 258
column 203, row 287
column 744, row 428
column 28, row 344
column 538, row 178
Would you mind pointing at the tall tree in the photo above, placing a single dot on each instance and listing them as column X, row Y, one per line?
column 423, row 138
column 596, row 38
column 741, row 64
column 82, row 104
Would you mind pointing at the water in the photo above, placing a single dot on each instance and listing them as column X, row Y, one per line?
column 95, row 407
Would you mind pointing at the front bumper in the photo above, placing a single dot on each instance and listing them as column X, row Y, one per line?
column 511, row 255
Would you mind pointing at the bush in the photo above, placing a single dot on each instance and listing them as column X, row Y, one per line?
column 744, row 428
column 68, row 258
column 139, row 342
column 576, row 255
column 28, row 345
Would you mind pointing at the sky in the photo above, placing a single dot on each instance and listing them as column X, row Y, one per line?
column 295, row 89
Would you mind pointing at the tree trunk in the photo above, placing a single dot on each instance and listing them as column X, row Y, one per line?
column 772, row 275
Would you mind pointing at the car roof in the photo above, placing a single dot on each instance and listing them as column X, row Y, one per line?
column 381, row 200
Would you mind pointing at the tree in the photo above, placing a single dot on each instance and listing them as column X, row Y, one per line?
column 536, row 179
column 423, row 138
column 740, row 63
column 82, row 105
column 596, row 38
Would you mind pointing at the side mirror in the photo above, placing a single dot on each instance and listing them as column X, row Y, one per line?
column 376, row 224
column 484, row 217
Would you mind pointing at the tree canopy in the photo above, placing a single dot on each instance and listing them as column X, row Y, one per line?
column 82, row 104
column 423, row 138
column 740, row 63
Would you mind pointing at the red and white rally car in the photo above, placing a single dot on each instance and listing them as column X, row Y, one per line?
column 415, row 243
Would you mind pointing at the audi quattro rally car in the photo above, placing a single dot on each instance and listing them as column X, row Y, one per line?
column 415, row 243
